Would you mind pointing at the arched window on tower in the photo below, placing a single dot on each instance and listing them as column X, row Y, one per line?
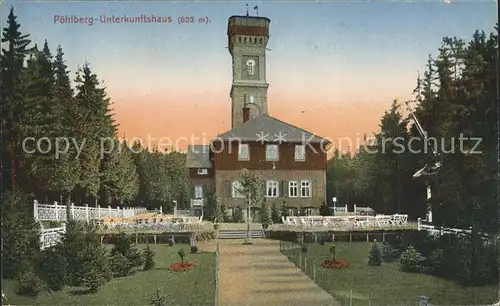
column 251, row 67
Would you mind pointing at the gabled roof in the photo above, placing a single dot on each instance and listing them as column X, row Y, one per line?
column 197, row 156
column 265, row 128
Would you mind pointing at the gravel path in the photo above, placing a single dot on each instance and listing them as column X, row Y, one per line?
column 259, row 274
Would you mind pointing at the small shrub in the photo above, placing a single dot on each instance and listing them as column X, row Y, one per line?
column 29, row 284
column 389, row 253
column 93, row 277
column 194, row 249
column 375, row 257
column 411, row 260
column 123, row 245
column 135, row 258
column 149, row 261
column 181, row 254
column 52, row 268
column 304, row 249
column 120, row 265
column 436, row 261
column 159, row 299
column 332, row 251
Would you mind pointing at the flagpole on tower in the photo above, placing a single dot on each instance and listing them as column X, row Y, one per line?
column 256, row 8
column 247, row 10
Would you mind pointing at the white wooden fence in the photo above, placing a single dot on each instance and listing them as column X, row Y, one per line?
column 51, row 236
column 440, row 230
column 57, row 212
column 357, row 209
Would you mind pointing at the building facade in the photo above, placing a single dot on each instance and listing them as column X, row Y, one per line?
column 290, row 160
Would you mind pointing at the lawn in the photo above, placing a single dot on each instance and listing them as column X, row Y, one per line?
column 383, row 285
column 195, row 287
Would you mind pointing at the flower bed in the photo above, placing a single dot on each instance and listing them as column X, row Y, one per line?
column 335, row 264
column 182, row 266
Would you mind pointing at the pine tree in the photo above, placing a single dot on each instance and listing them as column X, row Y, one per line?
column 264, row 213
column 20, row 235
column 375, row 258
column 149, row 262
column 275, row 214
column 14, row 109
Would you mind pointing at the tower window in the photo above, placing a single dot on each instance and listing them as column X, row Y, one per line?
column 239, row 38
column 251, row 67
column 260, row 40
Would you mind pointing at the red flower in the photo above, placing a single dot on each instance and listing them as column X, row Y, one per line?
column 335, row 264
column 182, row 266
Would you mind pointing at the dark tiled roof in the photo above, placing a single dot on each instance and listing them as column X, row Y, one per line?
column 198, row 156
column 269, row 129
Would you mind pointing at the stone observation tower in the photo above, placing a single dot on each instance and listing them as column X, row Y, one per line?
column 247, row 41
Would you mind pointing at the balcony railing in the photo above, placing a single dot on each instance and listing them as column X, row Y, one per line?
column 197, row 202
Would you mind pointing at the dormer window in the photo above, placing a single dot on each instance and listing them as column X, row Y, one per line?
column 202, row 171
column 272, row 153
column 250, row 67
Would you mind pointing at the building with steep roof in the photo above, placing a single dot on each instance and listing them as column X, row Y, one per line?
column 291, row 160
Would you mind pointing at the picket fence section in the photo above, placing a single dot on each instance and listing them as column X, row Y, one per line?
column 51, row 236
column 57, row 212
column 357, row 209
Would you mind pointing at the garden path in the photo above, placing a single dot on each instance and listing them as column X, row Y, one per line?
column 259, row 274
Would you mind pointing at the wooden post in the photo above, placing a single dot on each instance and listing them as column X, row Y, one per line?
column 305, row 265
column 119, row 213
column 383, row 237
column 35, row 209
column 72, row 211
column 155, row 238
column 367, row 238
column 98, row 211
column 418, row 223
column 350, row 237
column 355, row 208
column 57, row 210
column 314, row 272
column 87, row 212
column 136, row 238
column 109, row 211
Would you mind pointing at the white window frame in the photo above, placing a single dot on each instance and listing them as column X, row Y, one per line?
column 235, row 190
column 293, row 189
column 251, row 67
column 300, row 152
column 198, row 192
column 272, row 189
column 241, row 150
column 202, row 171
column 305, row 188
column 269, row 150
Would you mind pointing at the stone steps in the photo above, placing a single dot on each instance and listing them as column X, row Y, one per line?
column 240, row 234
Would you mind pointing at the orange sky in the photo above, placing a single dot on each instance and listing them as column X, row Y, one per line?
column 148, row 115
